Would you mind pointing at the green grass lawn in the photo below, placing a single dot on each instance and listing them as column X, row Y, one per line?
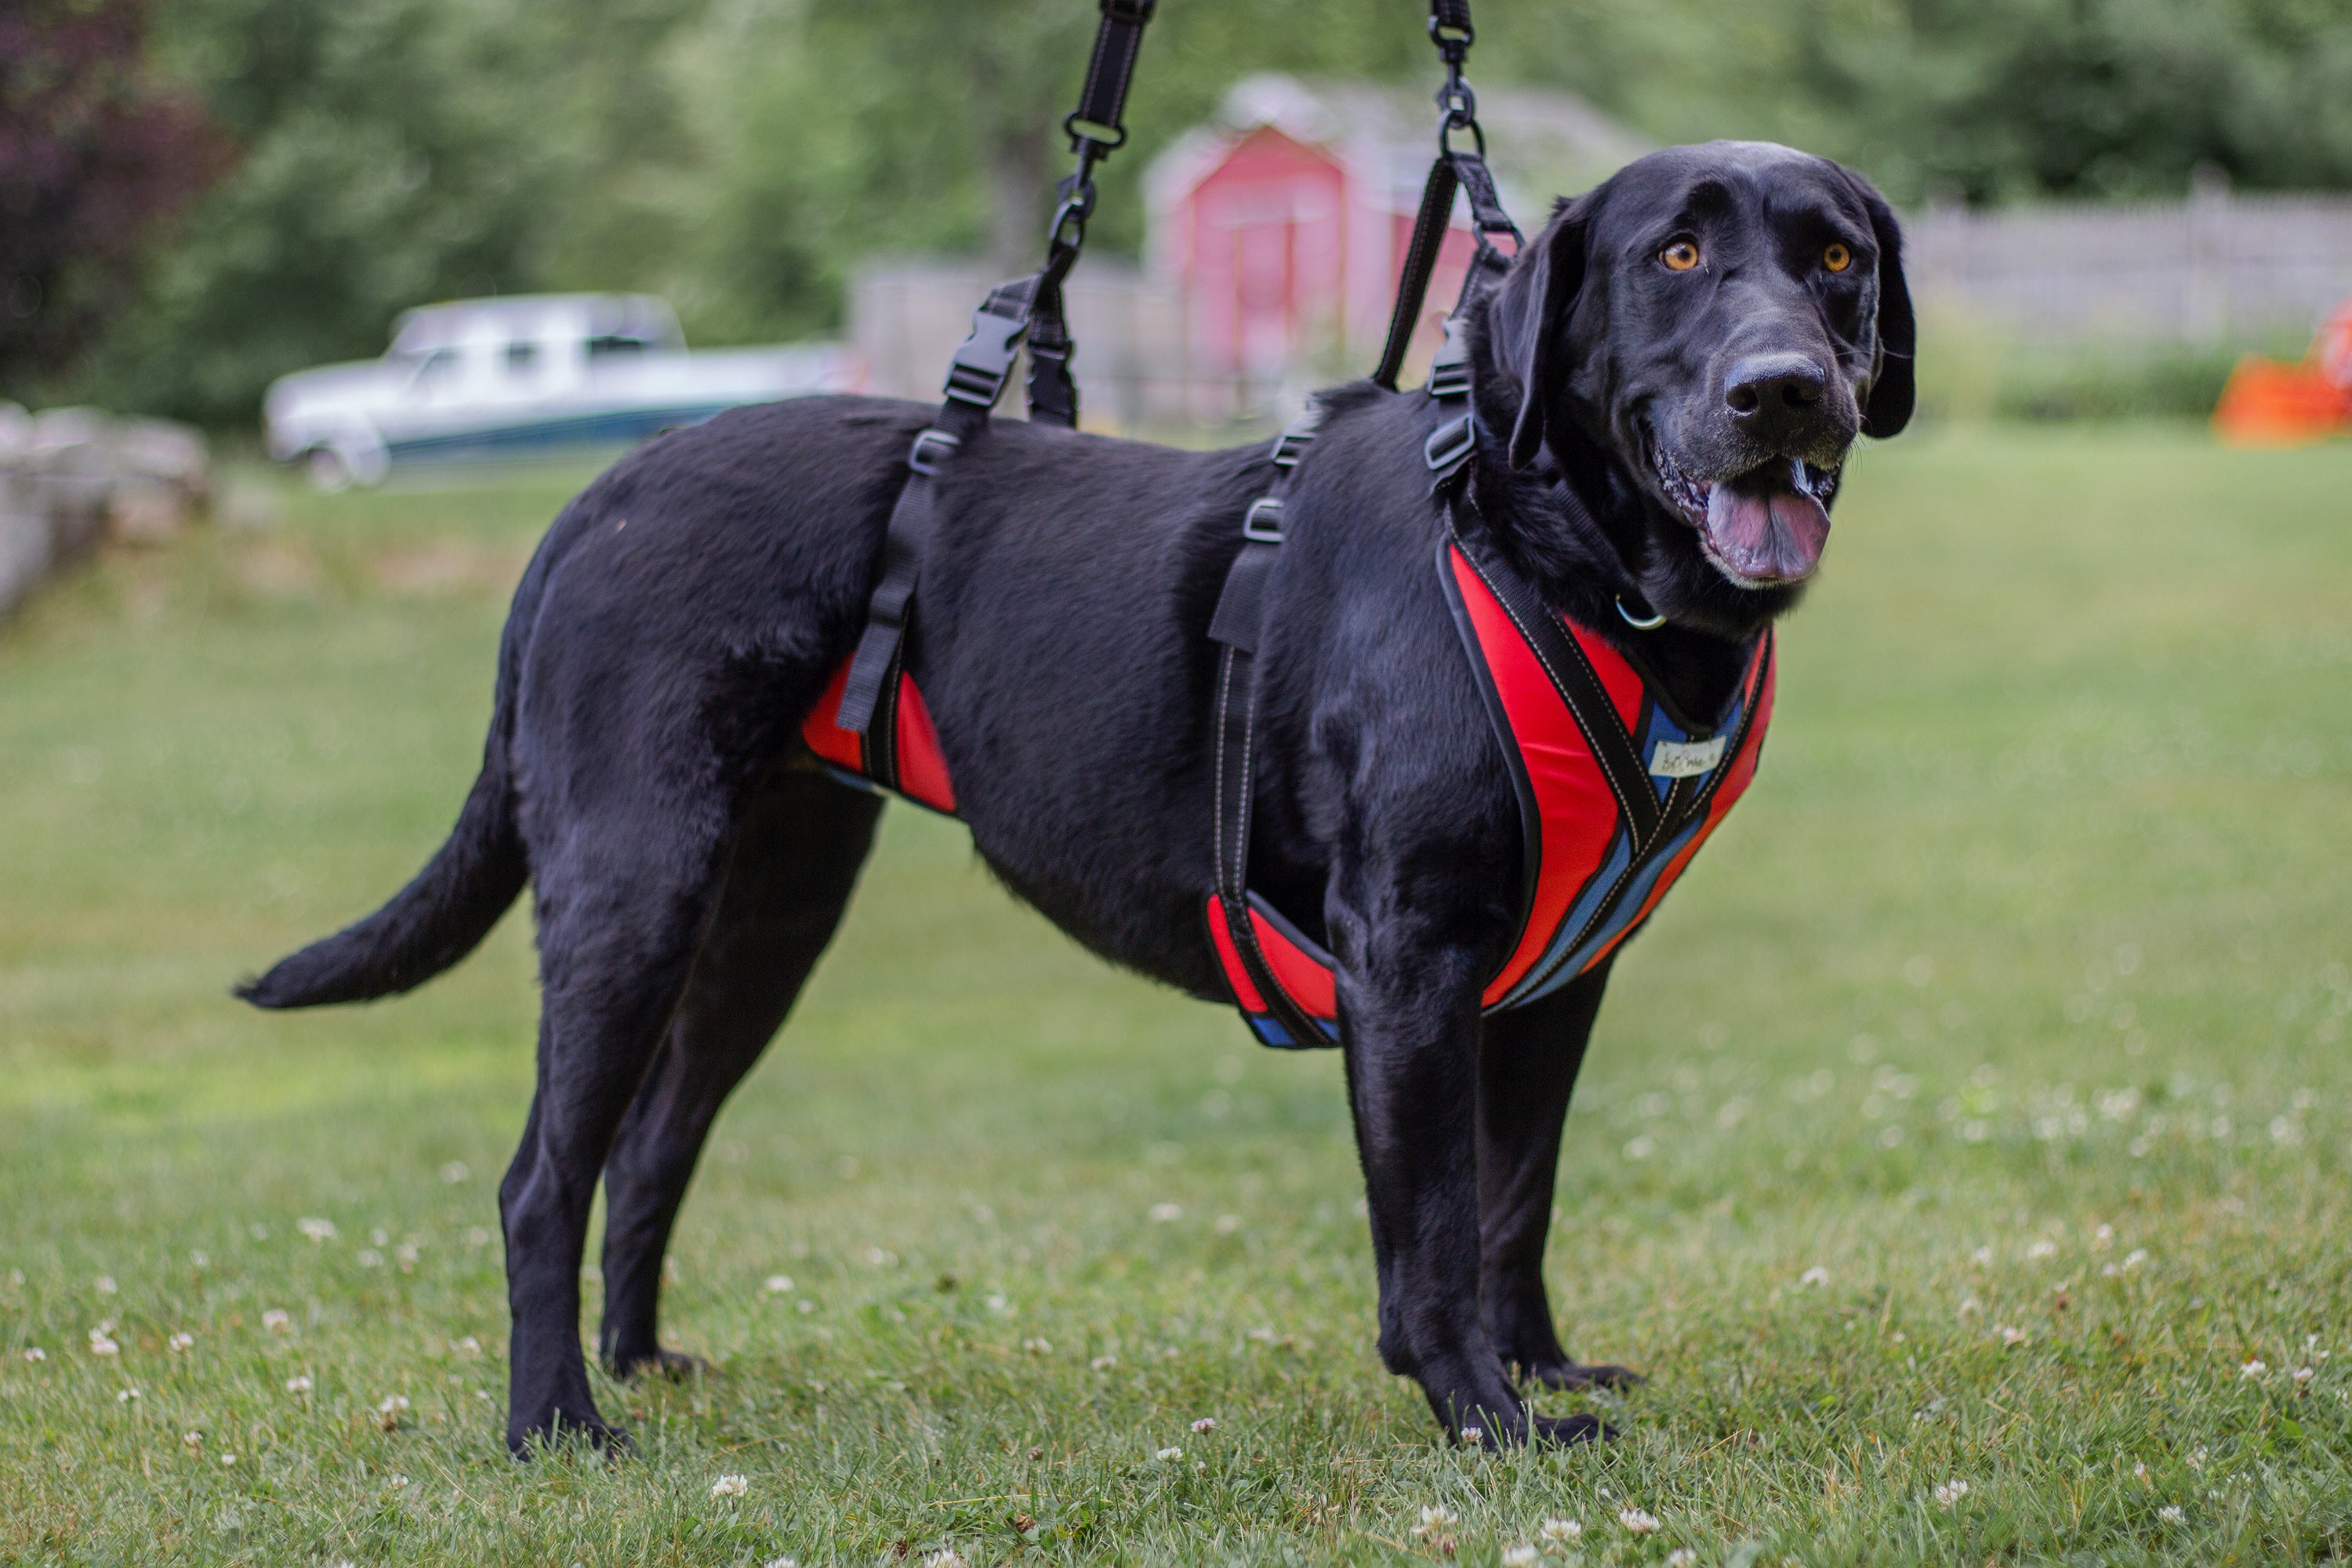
column 1977, row 1111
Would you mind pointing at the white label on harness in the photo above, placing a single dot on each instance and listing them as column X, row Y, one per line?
column 1685, row 759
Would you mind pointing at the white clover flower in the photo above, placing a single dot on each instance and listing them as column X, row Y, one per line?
column 1474, row 1435
column 1104, row 1362
column 2254, row 1371
column 1520, row 1557
column 783, row 1563
column 2041, row 1249
column 778, row 1285
column 1949, row 1493
column 370, row 1257
column 126, row 1395
column 2011, row 1336
column 1209, row 1422
column 1984, row 1255
column 101, row 1344
column 1166, row 1455
column 455, row 1172
column 1167, row 1214
column 729, row 1485
column 35, row 1352
column 393, row 1405
column 2170, row 1514
column 1038, row 1347
column 399, row 1481
column 2196, row 1457
column 106, row 1286
column 946, row 1557
column 228, row 1458
column 1683, row 1556
column 2304, row 1375
column 2139, row 1472
column 1436, row 1517
column 298, row 1384
column 1227, row 1223
column 1816, row 1275
column 277, row 1322
column 1561, row 1531
column 320, row 1231
column 2133, row 1258
column 181, row 1343
column 193, row 1439
column 1638, row 1522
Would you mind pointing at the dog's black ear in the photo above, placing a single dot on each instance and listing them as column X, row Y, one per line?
column 1528, row 323
column 1892, row 389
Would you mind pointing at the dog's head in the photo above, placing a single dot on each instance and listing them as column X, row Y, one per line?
column 1713, row 326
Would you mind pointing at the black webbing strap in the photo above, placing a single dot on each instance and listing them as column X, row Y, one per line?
column 976, row 378
column 1237, row 626
column 1025, row 310
column 1103, row 100
column 1463, row 170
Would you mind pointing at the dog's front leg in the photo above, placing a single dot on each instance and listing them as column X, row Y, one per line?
column 1411, row 1021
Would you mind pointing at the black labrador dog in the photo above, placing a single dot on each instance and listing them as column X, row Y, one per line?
column 1690, row 348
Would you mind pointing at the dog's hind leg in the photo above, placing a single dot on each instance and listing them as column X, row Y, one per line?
column 624, row 895
column 1527, row 1062
column 790, row 873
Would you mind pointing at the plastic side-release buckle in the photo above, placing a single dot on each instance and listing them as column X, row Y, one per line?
column 1449, row 369
column 931, row 449
column 1262, row 521
column 1450, row 445
column 981, row 367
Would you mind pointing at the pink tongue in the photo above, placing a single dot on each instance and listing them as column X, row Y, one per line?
column 1775, row 536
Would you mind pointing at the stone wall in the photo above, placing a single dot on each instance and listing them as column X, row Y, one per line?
column 72, row 477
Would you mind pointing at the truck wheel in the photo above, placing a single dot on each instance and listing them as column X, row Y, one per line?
column 325, row 469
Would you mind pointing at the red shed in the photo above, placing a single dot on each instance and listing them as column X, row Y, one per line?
column 1283, row 226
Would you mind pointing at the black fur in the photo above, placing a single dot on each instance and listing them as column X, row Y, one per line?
column 688, row 861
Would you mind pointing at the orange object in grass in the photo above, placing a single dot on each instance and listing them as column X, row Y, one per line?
column 2267, row 404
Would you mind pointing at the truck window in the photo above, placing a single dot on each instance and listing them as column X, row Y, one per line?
column 612, row 343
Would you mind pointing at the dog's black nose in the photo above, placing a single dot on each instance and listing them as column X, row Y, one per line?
column 1774, row 394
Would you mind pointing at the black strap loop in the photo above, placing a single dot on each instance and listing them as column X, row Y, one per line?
column 1096, row 122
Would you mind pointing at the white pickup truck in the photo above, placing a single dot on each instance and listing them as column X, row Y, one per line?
column 523, row 375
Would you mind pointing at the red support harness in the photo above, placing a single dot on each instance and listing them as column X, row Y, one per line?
column 1616, row 793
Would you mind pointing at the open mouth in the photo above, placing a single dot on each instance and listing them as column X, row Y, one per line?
column 1763, row 528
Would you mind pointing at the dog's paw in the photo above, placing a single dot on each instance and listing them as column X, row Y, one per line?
column 1566, row 1431
column 676, row 1365
column 565, row 1432
column 1574, row 1376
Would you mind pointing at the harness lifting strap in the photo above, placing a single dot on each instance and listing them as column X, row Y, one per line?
column 1450, row 29
column 1025, row 310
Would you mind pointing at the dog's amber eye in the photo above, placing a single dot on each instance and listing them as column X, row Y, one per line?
column 1680, row 257
column 1837, row 259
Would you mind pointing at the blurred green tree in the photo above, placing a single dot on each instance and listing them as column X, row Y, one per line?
column 741, row 156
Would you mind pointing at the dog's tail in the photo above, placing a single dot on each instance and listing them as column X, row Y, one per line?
column 450, row 908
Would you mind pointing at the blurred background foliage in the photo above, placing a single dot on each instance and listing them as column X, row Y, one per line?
column 740, row 156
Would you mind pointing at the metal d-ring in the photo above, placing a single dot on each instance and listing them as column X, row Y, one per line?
column 1652, row 624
